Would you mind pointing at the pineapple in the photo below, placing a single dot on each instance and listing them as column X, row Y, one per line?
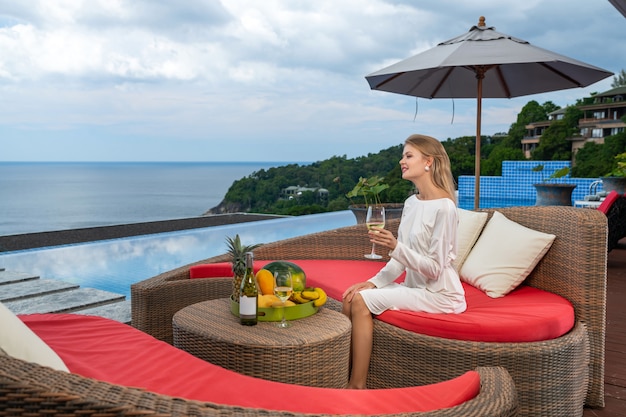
column 238, row 253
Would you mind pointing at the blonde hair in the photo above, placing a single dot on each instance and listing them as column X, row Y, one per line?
column 441, row 172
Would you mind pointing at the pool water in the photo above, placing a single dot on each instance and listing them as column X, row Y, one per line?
column 113, row 265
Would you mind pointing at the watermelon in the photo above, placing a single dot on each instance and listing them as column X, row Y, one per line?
column 298, row 277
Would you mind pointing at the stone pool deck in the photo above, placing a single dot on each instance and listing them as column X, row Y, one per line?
column 24, row 293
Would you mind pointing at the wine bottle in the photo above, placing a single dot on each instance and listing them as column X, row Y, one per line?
column 248, row 303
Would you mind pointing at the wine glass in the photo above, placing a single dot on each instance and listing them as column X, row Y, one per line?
column 374, row 220
column 283, row 287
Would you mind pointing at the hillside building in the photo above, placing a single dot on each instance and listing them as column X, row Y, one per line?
column 600, row 119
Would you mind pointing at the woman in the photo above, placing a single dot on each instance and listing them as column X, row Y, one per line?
column 425, row 249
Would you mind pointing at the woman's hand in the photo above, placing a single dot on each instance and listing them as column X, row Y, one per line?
column 353, row 289
column 383, row 237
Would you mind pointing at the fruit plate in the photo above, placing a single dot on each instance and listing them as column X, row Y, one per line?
column 299, row 311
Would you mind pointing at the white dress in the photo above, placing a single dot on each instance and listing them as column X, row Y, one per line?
column 427, row 245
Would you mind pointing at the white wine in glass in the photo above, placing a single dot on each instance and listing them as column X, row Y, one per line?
column 283, row 287
column 375, row 220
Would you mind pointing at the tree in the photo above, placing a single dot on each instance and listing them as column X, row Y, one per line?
column 619, row 80
column 554, row 144
column 549, row 107
column 597, row 160
column 461, row 152
column 613, row 145
column 531, row 112
column 571, row 117
column 589, row 161
column 493, row 164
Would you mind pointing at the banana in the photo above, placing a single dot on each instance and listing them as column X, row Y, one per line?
column 321, row 300
column 316, row 295
column 297, row 297
column 310, row 294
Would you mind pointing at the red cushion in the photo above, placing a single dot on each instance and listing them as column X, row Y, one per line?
column 608, row 201
column 334, row 276
column 114, row 352
column 343, row 273
column 217, row 270
column 525, row 315
column 221, row 269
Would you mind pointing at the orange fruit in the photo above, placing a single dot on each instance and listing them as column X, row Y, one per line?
column 298, row 277
column 265, row 281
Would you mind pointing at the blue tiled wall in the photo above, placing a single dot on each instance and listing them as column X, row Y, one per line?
column 515, row 186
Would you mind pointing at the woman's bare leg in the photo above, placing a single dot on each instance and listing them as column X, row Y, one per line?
column 362, row 336
column 346, row 306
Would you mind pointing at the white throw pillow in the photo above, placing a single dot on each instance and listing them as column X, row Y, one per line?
column 505, row 253
column 17, row 340
column 471, row 223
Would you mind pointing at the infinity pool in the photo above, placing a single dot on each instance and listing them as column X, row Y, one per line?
column 113, row 265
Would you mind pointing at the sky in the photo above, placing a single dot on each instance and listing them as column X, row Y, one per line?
column 246, row 80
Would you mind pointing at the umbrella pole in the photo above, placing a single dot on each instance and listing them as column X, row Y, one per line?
column 480, row 74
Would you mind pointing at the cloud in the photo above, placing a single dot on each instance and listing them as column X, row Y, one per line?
column 252, row 73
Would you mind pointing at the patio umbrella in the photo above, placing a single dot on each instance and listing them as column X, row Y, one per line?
column 484, row 63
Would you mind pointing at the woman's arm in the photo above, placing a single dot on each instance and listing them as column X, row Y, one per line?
column 440, row 249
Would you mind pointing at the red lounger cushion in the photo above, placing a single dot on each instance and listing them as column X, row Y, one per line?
column 120, row 354
column 221, row 269
column 608, row 201
column 527, row 314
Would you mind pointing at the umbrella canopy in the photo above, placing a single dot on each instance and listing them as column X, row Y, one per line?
column 484, row 63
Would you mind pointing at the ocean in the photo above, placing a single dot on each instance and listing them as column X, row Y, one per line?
column 50, row 196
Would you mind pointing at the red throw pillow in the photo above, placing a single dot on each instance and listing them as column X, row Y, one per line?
column 219, row 269
column 608, row 201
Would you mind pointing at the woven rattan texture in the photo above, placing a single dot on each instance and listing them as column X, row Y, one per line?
column 551, row 377
column 574, row 267
column 31, row 390
column 314, row 351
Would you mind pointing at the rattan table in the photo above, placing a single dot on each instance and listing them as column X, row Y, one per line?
column 314, row 351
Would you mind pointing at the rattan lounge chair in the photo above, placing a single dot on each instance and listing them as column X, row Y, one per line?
column 27, row 389
column 614, row 206
column 551, row 377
